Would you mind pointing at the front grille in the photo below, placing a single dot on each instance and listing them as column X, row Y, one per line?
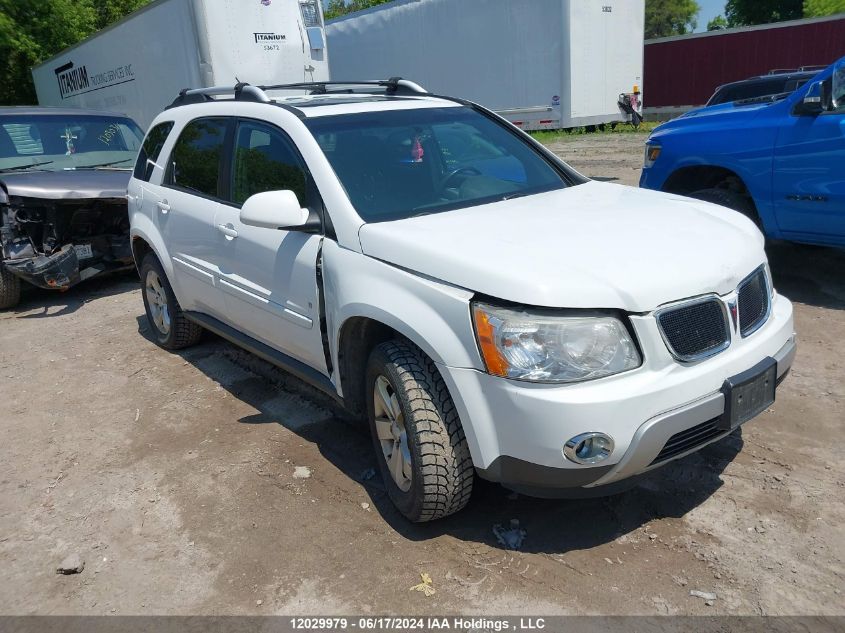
column 687, row 440
column 695, row 330
column 753, row 302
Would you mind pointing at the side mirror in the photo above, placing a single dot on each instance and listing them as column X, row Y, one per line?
column 816, row 99
column 274, row 210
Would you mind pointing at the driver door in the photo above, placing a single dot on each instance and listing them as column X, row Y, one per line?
column 808, row 182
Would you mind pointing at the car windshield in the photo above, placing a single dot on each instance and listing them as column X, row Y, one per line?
column 740, row 91
column 56, row 142
column 403, row 163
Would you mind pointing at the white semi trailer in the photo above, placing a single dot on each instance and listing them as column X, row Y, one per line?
column 138, row 65
column 539, row 63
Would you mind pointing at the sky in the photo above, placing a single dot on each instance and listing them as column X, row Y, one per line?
column 709, row 10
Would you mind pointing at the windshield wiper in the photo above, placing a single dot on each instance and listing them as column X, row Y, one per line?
column 511, row 196
column 27, row 166
column 114, row 162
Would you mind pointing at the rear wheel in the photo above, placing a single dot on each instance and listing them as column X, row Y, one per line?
column 730, row 199
column 420, row 445
column 10, row 289
column 170, row 327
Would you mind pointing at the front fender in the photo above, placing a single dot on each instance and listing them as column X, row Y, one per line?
column 755, row 173
column 433, row 315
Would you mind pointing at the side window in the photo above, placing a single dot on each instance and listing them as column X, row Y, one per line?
column 838, row 87
column 196, row 157
column 150, row 150
column 265, row 160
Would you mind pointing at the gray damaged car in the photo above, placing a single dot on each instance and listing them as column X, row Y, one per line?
column 63, row 213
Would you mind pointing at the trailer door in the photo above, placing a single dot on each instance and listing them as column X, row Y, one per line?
column 262, row 41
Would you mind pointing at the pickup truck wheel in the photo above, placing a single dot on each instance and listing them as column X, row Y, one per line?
column 10, row 289
column 420, row 445
column 729, row 199
column 170, row 328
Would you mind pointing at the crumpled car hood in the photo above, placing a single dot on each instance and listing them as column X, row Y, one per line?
column 594, row 245
column 67, row 185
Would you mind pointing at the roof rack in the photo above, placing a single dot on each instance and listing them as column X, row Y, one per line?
column 240, row 92
column 392, row 86
column 800, row 69
column 246, row 92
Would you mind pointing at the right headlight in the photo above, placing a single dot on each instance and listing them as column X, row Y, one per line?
column 541, row 346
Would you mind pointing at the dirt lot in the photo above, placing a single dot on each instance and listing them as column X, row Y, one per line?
column 172, row 476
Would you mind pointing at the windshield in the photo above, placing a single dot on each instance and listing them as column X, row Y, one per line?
column 55, row 142
column 402, row 163
column 779, row 86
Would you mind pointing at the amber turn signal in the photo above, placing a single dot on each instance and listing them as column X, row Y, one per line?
column 493, row 359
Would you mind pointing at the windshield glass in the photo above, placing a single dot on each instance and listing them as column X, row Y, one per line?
column 402, row 163
column 55, row 142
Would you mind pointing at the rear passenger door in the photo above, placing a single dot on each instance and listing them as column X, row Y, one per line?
column 192, row 192
column 269, row 277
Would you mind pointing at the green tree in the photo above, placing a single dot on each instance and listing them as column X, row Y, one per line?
column 337, row 8
column 32, row 31
column 818, row 8
column 110, row 11
column 749, row 12
column 717, row 24
column 670, row 17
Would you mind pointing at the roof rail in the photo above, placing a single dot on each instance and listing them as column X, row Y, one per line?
column 392, row 86
column 246, row 92
column 239, row 92
column 812, row 68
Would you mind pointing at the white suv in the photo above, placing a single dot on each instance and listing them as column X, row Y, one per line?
column 436, row 270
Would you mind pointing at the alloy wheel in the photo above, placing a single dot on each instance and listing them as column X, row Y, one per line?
column 391, row 432
column 157, row 301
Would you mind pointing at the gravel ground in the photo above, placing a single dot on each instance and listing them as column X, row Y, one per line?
column 207, row 482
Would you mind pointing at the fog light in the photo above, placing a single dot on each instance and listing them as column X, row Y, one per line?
column 588, row 448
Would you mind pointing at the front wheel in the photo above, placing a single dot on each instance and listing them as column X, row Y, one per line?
column 170, row 327
column 10, row 289
column 420, row 445
column 731, row 200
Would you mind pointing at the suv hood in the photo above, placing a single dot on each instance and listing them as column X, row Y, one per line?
column 67, row 184
column 594, row 245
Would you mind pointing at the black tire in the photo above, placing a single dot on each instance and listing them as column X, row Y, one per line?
column 10, row 289
column 440, row 464
column 181, row 332
column 731, row 200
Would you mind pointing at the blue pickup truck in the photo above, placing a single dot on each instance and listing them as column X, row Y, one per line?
column 779, row 159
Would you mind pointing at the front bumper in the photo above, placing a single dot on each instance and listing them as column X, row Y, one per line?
column 516, row 431
column 63, row 270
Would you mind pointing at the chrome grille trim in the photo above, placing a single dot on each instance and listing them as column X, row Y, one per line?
column 760, row 274
column 708, row 352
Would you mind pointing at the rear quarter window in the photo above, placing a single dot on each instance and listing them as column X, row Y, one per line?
column 150, row 150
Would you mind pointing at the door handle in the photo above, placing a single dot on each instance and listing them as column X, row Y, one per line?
column 163, row 206
column 228, row 230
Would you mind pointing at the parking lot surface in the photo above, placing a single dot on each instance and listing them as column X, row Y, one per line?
column 208, row 482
